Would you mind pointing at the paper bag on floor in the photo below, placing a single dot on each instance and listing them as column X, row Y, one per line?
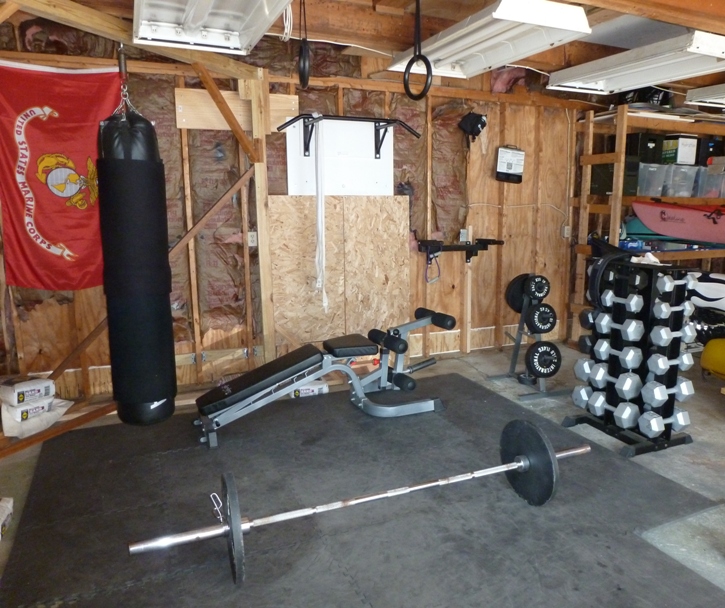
column 25, row 428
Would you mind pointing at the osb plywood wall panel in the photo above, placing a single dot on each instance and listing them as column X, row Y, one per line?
column 367, row 265
column 377, row 273
column 298, row 309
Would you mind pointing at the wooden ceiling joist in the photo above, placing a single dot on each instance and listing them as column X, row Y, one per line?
column 7, row 10
column 708, row 16
column 93, row 21
column 349, row 23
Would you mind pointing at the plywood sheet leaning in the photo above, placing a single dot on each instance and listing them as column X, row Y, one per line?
column 298, row 306
column 377, row 271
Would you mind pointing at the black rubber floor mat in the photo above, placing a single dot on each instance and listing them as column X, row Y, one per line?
column 474, row 543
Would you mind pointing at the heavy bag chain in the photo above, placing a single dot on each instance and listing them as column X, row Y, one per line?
column 125, row 105
column 417, row 56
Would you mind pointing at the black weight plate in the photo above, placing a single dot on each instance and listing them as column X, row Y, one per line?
column 543, row 359
column 537, row 287
column 233, row 519
column 540, row 318
column 537, row 484
column 515, row 292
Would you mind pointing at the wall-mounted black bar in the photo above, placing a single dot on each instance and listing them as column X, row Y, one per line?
column 381, row 124
column 432, row 248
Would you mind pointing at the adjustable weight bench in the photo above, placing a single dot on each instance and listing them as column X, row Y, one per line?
column 247, row 393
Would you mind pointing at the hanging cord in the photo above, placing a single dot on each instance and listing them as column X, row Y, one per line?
column 320, row 192
column 288, row 23
column 125, row 105
column 417, row 56
column 303, row 66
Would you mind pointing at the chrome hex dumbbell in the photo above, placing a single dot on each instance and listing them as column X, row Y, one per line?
column 631, row 329
column 627, row 385
column 625, row 414
column 652, row 424
column 661, row 335
column 656, row 394
column 659, row 364
column 630, row 356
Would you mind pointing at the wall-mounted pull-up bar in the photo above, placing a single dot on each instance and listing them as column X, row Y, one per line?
column 381, row 127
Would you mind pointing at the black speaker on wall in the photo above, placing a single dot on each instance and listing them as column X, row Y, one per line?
column 136, row 274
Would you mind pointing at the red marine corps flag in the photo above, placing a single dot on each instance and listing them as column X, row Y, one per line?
column 48, row 183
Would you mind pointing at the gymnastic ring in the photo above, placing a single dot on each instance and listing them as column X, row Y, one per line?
column 303, row 66
column 428, row 77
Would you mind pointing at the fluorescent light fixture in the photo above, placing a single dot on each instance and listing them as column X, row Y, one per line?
column 693, row 54
column 503, row 33
column 713, row 96
column 228, row 26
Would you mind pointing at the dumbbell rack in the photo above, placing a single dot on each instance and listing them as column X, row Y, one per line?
column 526, row 377
column 623, row 271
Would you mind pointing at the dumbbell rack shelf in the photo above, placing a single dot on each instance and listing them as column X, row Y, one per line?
column 637, row 442
column 526, row 377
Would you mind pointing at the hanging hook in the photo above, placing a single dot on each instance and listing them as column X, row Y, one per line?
column 122, row 63
column 125, row 105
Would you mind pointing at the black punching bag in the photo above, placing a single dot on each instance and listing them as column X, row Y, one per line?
column 136, row 272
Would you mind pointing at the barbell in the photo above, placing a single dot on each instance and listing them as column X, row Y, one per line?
column 529, row 462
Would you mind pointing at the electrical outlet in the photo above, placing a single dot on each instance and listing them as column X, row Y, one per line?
column 252, row 239
column 566, row 232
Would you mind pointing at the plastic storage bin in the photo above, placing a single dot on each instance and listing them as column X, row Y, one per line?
column 651, row 179
column 679, row 180
column 709, row 185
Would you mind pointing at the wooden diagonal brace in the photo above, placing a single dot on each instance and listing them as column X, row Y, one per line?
column 173, row 252
column 247, row 144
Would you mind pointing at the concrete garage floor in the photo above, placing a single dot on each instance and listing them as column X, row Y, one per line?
column 698, row 542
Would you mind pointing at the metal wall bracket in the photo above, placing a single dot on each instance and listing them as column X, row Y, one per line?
column 434, row 248
column 381, row 124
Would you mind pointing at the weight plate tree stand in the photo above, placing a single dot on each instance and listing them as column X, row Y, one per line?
column 529, row 461
column 136, row 272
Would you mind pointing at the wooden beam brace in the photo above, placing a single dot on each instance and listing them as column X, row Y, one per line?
column 90, row 20
column 7, row 10
column 250, row 147
column 173, row 252
column 226, row 197
column 350, row 23
column 706, row 16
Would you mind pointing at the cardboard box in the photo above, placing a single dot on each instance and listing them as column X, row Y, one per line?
column 6, row 515
column 29, row 409
column 15, row 390
column 679, row 150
